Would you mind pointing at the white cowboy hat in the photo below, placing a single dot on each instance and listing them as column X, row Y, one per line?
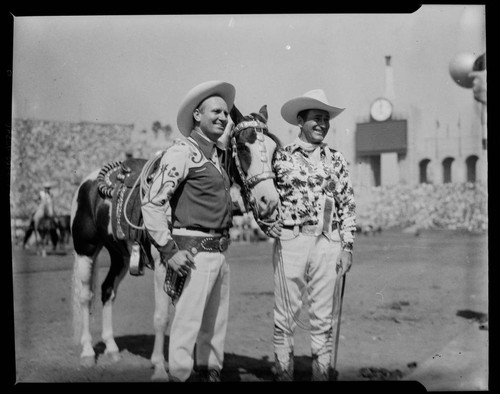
column 196, row 95
column 47, row 185
column 314, row 99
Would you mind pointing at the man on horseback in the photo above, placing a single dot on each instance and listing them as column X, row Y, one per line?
column 313, row 246
column 46, row 198
column 193, row 180
column 43, row 221
column 49, row 211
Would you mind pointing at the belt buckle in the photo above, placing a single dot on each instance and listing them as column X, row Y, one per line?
column 223, row 244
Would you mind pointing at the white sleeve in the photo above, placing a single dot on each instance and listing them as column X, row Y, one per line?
column 173, row 170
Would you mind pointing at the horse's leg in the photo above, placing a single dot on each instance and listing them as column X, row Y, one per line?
column 61, row 235
column 84, row 283
column 160, row 320
column 40, row 242
column 63, row 239
column 109, row 288
column 37, row 220
column 88, row 221
column 54, row 237
column 67, row 232
column 28, row 233
column 42, row 234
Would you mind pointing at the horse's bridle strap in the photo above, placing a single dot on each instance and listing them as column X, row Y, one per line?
column 251, row 182
column 250, row 123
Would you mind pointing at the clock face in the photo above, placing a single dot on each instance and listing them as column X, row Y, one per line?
column 381, row 109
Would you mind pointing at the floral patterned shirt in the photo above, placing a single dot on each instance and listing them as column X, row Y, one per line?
column 302, row 185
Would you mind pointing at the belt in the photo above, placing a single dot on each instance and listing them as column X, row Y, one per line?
column 307, row 229
column 219, row 231
column 194, row 245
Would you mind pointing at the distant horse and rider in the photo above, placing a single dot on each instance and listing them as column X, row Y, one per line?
column 46, row 226
column 106, row 213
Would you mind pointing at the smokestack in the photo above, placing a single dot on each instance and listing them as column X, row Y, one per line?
column 389, row 79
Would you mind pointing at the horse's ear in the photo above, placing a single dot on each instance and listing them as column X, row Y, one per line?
column 236, row 115
column 263, row 112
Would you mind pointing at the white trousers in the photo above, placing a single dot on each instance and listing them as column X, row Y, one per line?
column 200, row 317
column 304, row 266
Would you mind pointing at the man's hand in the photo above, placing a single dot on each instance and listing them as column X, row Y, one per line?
column 274, row 230
column 344, row 262
column 182, row 262
column 223, row 141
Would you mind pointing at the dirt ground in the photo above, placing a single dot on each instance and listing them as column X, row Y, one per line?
column 406, row 297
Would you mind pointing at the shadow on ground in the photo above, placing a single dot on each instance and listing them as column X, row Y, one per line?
column 237, row 367
column 140, row 345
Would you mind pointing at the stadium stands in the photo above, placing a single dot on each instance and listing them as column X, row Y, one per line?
column 65, row 153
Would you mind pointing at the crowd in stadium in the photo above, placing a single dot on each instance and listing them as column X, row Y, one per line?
column 452, row 206
column 65, row 153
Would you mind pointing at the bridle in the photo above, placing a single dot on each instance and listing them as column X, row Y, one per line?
column 250, row 182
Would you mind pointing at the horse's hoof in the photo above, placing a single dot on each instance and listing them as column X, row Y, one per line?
column 87, row 361
column 160, row 375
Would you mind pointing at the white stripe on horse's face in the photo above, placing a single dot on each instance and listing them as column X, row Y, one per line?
column 265, row 193
column 258, row 151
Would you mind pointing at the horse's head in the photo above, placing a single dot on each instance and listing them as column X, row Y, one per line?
column 253, row 147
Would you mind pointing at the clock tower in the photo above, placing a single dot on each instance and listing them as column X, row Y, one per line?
column 381, row 109
column 381, row 142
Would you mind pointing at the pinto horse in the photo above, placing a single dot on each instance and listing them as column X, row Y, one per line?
column 111, row 196
column 42, row 225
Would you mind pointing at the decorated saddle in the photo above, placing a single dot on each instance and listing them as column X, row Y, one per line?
column 120, row 182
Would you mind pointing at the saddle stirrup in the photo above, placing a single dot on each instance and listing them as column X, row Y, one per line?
column 136, row 267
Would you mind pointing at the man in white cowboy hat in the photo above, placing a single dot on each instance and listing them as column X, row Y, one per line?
column 314, row 242
column 45, row 195
column 46, row 188
column 193, row 181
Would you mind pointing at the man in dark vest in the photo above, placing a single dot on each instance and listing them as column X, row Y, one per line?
column 192, row 180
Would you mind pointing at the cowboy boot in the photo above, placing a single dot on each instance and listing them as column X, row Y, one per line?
column 209, row 375
column 321, row 367
column 283, row 365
